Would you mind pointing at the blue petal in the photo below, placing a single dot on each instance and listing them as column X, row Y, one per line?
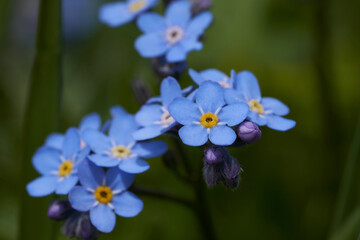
column 248, row 85
column 91, row 120
column 233, row 114
column 106, row 126
column 63, row 187
column 97, row 141
column 176, row 54
column 213, row 75
column 118, row 111
column 127, row 204
column 275, row 106
column 169, row 89
column 222, row 135
column 178, row 13
column 190, row 44
column 198, row 24
column 210, row 96
column 234, row 96
column 151, row 45
column 46, row 159
column 232, row 79
column 148, row 132
column 134, row 165
column 82, row 154
column 122, row 128
column 150, row 149
column 81, row 199
column 71, row 143
column 154, row 100
column 148, row 114
column 42, row 186
column 90, row 175
column 103, row 218
column 118, row 180
column 115, row 14
column 279, row 123
column 256, row 118
column 55, row 140
column 151, row 22
column 193, row 135
column 184, row 111
column 104, row 160
column 196, row 77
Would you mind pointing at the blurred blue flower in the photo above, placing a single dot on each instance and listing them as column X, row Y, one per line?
column 208, row 118
column 58, row 167
column 103, row 195
column 155, row 118
column 92, row 121
column 213, row 75
column 174, row 35
column 120, row 148
column 119, row 13
column 263, row 110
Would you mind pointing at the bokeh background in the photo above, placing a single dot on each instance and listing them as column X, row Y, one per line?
column 304, row 52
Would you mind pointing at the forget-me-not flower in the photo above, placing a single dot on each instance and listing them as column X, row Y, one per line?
column 58, row 167
column 119, row 13
column 174, row 35
column 263, row 110
column 208, row 118
column 213, row 75
column 91, row 120
column 154, row 118
column 120, row 148
column 103, row 195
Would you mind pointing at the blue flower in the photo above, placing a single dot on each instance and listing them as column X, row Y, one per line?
column 209, row 117
column 155, row 117
column 120, row 13
column 91, row 120
column 215, row 76
column 103, row 194
column 120, row 148
column 175, row 35
column 263, row 110
column 58, row 167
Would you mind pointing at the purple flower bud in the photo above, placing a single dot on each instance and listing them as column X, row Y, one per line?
column 231, row 173
column 59, row 209
column 212, row 174
column 79, row 225
column 199, row 6
column 215, row 155
column 248, row 132
column 164, row 69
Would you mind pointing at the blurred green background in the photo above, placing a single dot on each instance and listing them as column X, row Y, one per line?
column 304, row 52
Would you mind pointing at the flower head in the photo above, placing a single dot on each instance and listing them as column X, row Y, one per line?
column 263, row 110
column 58, row 167
column 155, row 117
column 174, row 35
column 119, row 13
column 120, row 148
column 208, row 118
column 103, row 195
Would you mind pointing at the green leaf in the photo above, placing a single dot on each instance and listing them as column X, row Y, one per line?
column 41, row 116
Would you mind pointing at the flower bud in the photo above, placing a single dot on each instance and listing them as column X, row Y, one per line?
column 231, row 173
column 248, row 132
column 212, row 174
column 164, row 69
column 214, row 155
column 59, row 209
column 199, row 6
column 79, row 225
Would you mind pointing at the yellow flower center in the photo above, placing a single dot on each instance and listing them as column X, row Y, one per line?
column 209, row 120
column 65, row 168
column 103, row 194
column 120, row 151
column 136, row 6
column 256, row 106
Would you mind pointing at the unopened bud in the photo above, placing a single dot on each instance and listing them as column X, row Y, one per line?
column 215, row 155
column 212, row 175
column 59, row 209
column 79, row 225
column 231, row 173
column 199, row 6
column 164, row 69
column 248, row 132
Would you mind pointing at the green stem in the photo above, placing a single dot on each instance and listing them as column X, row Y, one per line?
column 41, row 116
column 350, row 228
column 347, row 180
